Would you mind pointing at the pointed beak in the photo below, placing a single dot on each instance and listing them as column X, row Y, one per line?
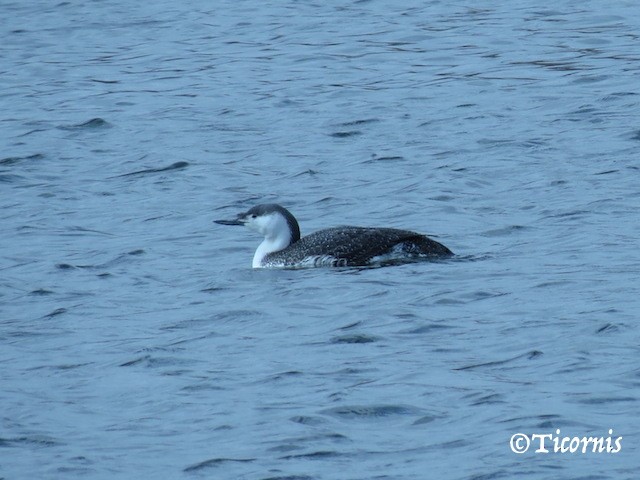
column 239, row 220
column 229, row 222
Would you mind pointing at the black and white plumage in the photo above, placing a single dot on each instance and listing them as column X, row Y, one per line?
column 336, row 247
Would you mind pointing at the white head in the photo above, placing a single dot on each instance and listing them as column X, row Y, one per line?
column 279, row 228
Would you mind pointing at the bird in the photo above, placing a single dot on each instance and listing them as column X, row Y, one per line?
column 343, row 246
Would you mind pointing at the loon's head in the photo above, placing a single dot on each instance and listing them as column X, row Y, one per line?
column 279, row 228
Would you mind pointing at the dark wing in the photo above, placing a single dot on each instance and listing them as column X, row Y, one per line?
column 358, row 245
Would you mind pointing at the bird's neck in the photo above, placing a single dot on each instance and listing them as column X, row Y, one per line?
column 269, row 245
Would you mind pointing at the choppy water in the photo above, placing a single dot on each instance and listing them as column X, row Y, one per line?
column 135, row 339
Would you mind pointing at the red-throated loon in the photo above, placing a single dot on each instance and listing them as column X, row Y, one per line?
column 335, row 247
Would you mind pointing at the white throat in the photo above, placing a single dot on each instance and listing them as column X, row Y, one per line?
column 268, row 245
column 277, row 236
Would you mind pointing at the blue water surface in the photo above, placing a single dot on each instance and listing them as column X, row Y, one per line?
column 137, row 342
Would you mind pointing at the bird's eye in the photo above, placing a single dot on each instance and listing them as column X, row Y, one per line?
column 254, row 216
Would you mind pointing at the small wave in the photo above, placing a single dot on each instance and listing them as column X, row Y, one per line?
column 346, row 134
column 14, row 160
column 363, row 412
column 173, row 166
column 215, row 462
column 89, row 124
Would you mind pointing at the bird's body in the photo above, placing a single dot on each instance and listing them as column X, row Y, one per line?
column 352, row 246
column 337, row 247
